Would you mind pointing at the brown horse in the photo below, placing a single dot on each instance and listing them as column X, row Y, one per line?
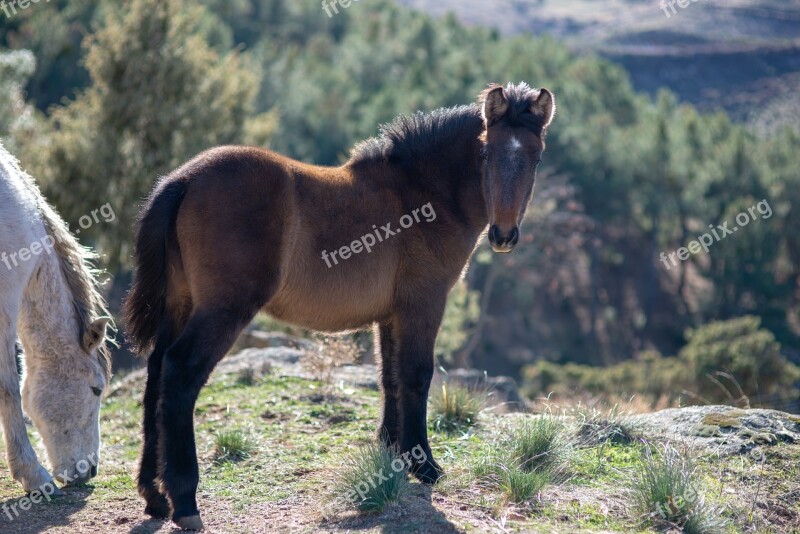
column 379, row 241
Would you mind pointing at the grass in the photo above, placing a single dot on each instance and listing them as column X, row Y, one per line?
column 541, row 444
column 521, row 486
column 232, row 446
column 372, row 478
column 536, row 454
column 454, row 409
column 299, row 438
column 598, row 428
column 666, row 494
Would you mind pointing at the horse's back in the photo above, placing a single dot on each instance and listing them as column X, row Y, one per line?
column 20, row 222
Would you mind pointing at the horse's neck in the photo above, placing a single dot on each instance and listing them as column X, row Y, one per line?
column 463, row 180
column 48, row 321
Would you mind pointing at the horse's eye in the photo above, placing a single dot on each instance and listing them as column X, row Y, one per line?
column 97, row 391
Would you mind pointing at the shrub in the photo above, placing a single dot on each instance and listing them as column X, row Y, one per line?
column 741, row 350
column 732, row 361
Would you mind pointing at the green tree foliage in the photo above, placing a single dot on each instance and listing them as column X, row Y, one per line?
column 627, row 177
column 159, row 95
column 15, row 115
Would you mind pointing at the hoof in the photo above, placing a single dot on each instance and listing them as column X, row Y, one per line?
column 428, row 473
column 50, row 489
column 190, row 522
column 157, row 507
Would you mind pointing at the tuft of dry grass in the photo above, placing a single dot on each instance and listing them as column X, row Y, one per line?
column 332, row 352
column 455, row 408
column 666, row 493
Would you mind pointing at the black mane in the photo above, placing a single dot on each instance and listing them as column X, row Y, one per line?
column 408, row 138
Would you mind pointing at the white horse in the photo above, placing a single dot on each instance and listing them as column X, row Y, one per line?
column 49, row 298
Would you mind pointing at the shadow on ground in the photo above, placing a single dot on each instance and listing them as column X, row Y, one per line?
column 42, row 516
column 415, row 514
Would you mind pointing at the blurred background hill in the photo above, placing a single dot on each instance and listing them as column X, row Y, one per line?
column 742, row 56
column 665, row 126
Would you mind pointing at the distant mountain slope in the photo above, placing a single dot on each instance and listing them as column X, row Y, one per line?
column 740, row 55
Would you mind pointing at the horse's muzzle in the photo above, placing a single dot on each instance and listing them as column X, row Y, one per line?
column 503, row 243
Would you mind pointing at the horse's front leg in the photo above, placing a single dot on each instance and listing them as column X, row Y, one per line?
column 416, row 335
column 22, row 460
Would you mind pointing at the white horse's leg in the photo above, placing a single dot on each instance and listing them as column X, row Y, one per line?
column 22, row 460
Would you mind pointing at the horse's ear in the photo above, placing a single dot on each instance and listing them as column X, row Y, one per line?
column 544, row 106
column 495, row 104
column 95, row 334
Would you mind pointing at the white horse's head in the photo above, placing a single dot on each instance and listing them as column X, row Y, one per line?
column 62, row 396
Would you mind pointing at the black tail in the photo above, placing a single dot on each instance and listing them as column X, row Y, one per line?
column 145, row 304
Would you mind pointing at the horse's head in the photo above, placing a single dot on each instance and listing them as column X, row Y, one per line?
column 516, row 118
column 62, row 395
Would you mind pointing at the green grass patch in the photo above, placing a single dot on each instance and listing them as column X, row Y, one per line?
column 233, row 446
column 541, row 444
column 536, row 453
column 454, row 408
column 373, row 477
column 666, row 493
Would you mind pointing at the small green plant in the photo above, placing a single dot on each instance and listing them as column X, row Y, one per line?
column 233, row 446
column 454, row 408
column 373, row 477
column 666, row 494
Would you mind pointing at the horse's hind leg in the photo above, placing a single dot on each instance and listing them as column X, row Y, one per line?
column 389, row 431
column 157, row 505
column 22, row 461
column 187, row 365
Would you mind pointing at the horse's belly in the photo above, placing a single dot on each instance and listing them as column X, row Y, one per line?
column 331, row 300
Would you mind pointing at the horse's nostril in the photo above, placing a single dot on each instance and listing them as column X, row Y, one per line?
column 94, row 471
column 494, row 234
column 514, row 236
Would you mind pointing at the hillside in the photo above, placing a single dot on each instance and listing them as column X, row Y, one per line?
column 302, row 432
column 742, row 56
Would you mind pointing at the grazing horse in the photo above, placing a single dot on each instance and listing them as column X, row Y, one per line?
column 49, row 298
column 380, row 240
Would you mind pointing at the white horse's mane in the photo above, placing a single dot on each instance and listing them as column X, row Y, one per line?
column 75, row 260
